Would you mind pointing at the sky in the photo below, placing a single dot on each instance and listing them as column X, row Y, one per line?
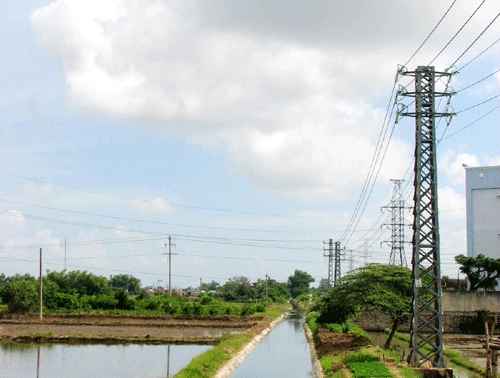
column 245, row 130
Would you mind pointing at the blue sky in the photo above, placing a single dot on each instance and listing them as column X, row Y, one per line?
column 245, row 131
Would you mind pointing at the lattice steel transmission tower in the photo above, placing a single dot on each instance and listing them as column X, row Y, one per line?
column 336, row 276
column 397, row 225
column 329, row 254
column 426, row 344
column 333, row 262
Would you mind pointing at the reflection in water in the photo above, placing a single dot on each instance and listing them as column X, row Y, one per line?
column 38, row 363
column 284, row 352
column 56, row 360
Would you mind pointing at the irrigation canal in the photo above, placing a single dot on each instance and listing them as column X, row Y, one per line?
column 284, row 352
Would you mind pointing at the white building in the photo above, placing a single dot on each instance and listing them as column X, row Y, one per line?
column 483, row 211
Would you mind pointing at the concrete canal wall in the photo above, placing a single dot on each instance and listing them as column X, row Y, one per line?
column 316, row 363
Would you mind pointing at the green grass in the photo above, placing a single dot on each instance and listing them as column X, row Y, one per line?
column 369, row 369
column 206, row 364
column 408, row 372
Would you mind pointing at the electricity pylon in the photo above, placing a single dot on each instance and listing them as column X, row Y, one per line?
column 333, row 262
column 426, row 342
column 397, row 226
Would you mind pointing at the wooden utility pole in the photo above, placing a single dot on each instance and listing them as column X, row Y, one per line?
column 41, row 287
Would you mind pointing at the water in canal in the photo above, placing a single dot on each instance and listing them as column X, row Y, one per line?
column 284, row 352
column 57, row 360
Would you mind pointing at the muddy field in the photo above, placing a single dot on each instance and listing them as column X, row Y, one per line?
column 109, row 328
column 338, row 343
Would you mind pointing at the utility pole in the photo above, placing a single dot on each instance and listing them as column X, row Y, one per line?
column 397, row 225
column 330, row 261
column 41, row 287
column 170, row 245
column 266, row 286
column 426, row 340
column 65, row 240
column 201, row 295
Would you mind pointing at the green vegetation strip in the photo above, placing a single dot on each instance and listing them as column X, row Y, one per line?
column 208, row 363
column 370, row 369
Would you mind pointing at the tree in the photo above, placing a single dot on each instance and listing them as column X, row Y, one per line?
column 20, row 293
column 126, row 282
column 482, row 272
column 333, row 308
column 383, row 288
column 211, row 286
column 237, row 289
column 299, row 283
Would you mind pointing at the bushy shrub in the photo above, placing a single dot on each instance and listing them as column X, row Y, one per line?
column 103, row 302
column 249, row 309
column 361, row 357
column 66, row 301
column 187, row 308
column 206, row 299
column 312, row 320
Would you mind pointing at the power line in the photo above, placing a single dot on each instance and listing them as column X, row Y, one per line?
column 472, row 123
column 476, row 105
column 458, row 32
column 473, row 42
column 371, row 170
column 478, row 81
column 168, row 203
column 433, row 30
column 478, row 55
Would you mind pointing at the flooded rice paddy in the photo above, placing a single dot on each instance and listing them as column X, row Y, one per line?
column 59, row 360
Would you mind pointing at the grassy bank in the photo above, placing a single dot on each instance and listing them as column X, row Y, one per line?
column 208, row 363
column 452, row 357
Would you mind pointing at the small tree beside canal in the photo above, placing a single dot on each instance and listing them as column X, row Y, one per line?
column 386, row 289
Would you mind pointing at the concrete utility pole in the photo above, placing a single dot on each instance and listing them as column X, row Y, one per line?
column 397, row 225
column 266, row 285
column 426, row 344
column 41, row 288
column 170, row 246
column 65, row 240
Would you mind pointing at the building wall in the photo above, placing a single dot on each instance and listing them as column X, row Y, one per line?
column 461, row 313
column 483, row 211
column 471, row 301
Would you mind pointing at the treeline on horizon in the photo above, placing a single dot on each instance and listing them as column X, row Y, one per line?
column 83, row 292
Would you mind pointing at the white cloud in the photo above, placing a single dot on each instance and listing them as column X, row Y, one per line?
column 453, row 166
column 279, row 84
column 493, row 161
column 451, row 205
column 43, row 190
column 12, row 221
column 155, row 206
